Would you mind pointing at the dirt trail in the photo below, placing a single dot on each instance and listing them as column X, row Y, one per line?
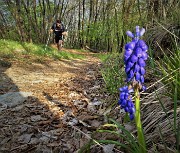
column 65, row 93
column 35, row 77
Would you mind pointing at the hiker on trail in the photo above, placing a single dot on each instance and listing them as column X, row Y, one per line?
column 59, row 30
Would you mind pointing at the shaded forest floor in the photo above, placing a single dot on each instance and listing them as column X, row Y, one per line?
column 58, row 104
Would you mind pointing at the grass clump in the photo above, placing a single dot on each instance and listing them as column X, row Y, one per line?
column 13, row 49
column 170, row 71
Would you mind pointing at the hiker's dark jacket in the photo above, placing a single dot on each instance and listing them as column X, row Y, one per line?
column 58, row 30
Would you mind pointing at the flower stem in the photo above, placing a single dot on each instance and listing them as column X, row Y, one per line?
column 140, row 134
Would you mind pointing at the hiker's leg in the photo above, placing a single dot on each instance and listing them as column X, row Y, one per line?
column 61, row 42
column 58, row 46
column 57, row 42
column 54, row 40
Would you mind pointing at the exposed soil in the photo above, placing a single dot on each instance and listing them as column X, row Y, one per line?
column 61, row 113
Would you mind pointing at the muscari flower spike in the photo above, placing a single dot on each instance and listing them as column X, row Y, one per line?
column 126, row 101
column 135, row 56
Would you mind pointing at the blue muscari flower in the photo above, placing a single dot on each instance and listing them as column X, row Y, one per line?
column 135, row 56
column 125, row 101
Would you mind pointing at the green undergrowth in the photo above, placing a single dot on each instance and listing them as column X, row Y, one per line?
column 18, row 50
column 169, row 67
column 103, row 56
column 112, row 71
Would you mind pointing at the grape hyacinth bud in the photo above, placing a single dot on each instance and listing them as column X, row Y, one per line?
column 125, row 101
column 135, row 56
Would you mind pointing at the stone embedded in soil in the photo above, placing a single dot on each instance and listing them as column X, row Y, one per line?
column 25, row 138
column 36, row 118
column 12, row 99
column 108, row 148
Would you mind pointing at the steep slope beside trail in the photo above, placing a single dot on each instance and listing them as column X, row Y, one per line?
column 64, row 94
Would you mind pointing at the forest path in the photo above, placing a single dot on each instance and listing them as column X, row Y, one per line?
column 64, row 94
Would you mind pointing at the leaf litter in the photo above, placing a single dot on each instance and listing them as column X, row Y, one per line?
column 65, row 94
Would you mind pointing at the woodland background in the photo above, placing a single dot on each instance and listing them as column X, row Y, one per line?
column 98, row 24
